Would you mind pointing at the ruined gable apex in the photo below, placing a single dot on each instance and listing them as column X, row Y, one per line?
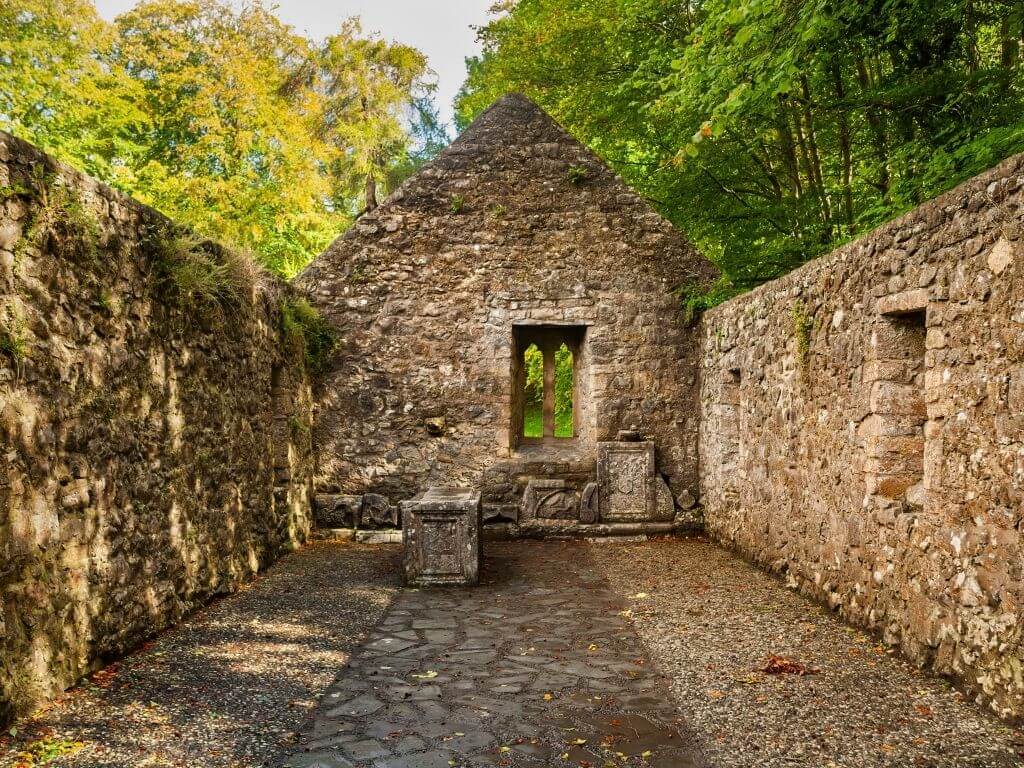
column 515, row 162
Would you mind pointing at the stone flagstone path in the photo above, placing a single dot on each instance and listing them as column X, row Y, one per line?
column 535, row 667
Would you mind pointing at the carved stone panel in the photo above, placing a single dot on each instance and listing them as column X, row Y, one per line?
column 549, row 499
column 589, row 508
column 441, row 532
column 625, row 477
column 377, row 512
column 440, row 546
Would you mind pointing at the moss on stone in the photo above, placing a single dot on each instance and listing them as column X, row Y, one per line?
column 307, row 332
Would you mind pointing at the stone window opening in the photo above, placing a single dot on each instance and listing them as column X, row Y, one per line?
column 546, row 384
column 895, row 442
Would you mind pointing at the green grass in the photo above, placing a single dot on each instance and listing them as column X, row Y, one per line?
column 533, row 421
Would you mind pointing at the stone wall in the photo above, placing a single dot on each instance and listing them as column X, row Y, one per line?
column 863, row 432
column 155, row 447
column 513, row 226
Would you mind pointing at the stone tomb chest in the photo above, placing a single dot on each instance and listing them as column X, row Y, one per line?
column 441, row 532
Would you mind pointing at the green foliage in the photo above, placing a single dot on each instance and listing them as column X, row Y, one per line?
column 309, row 333
column 61, row 218
column 14, row 190
column 14, row 341
column 533, row 360
column 299, row 428
column 577, row 175
column 696, row 299
column 769, row 130
column 226, row 120
column 458, row 204
column 198, row 272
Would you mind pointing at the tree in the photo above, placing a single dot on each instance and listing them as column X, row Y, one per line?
column 769, row 130
column 56, row 92
column 225, row 120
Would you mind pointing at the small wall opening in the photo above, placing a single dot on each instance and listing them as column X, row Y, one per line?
column 895, row 442
column 546, row 383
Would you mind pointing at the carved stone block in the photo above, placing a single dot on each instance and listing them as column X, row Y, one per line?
column 665, row 505
column 589, row 508
column 377, row 512
column 549, row 499
column 337, row 511
column 501, row 513
column 625, row 478
column 441, row 532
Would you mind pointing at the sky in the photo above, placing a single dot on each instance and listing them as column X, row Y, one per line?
column 441, row 29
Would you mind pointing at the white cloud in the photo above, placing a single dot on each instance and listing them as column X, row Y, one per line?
column 442, row 29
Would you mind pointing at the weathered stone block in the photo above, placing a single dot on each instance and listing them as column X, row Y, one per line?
column 1002, row 255
column 337, row 511
column 550, row 499
column 441, row 534
column 902, row 303
column 625, row 477
column 590, row 504
column 376, row 511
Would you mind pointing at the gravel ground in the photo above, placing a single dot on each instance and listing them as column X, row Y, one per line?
column 710, row 621
column 231, row 685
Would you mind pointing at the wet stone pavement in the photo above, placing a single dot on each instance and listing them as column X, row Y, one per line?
column 536, row 666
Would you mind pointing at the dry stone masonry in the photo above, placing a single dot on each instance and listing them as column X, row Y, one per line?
column 863, row 432
column 152, row 455
column 514, row 235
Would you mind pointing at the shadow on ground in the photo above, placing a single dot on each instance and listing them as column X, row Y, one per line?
column 232, row 684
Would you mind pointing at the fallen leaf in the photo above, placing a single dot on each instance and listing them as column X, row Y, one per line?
column 780, row 665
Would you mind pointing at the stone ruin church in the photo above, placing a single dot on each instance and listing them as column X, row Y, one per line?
column 516, row 236
column 510, row 322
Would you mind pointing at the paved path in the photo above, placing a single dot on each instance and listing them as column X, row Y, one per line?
column 538, row 666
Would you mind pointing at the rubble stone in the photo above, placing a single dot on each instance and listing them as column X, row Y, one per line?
column 877, row 461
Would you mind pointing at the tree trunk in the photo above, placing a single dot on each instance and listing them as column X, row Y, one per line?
column 844, row 143
column 815, row 157
column 1009, row 45
column 877, row 129
column 371, row 192
column 789, row 161
column 549, row 391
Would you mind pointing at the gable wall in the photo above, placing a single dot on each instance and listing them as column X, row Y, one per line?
column 425, row 292
column 891, row 492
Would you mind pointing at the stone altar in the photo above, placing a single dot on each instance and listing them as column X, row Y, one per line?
column 441, row 533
